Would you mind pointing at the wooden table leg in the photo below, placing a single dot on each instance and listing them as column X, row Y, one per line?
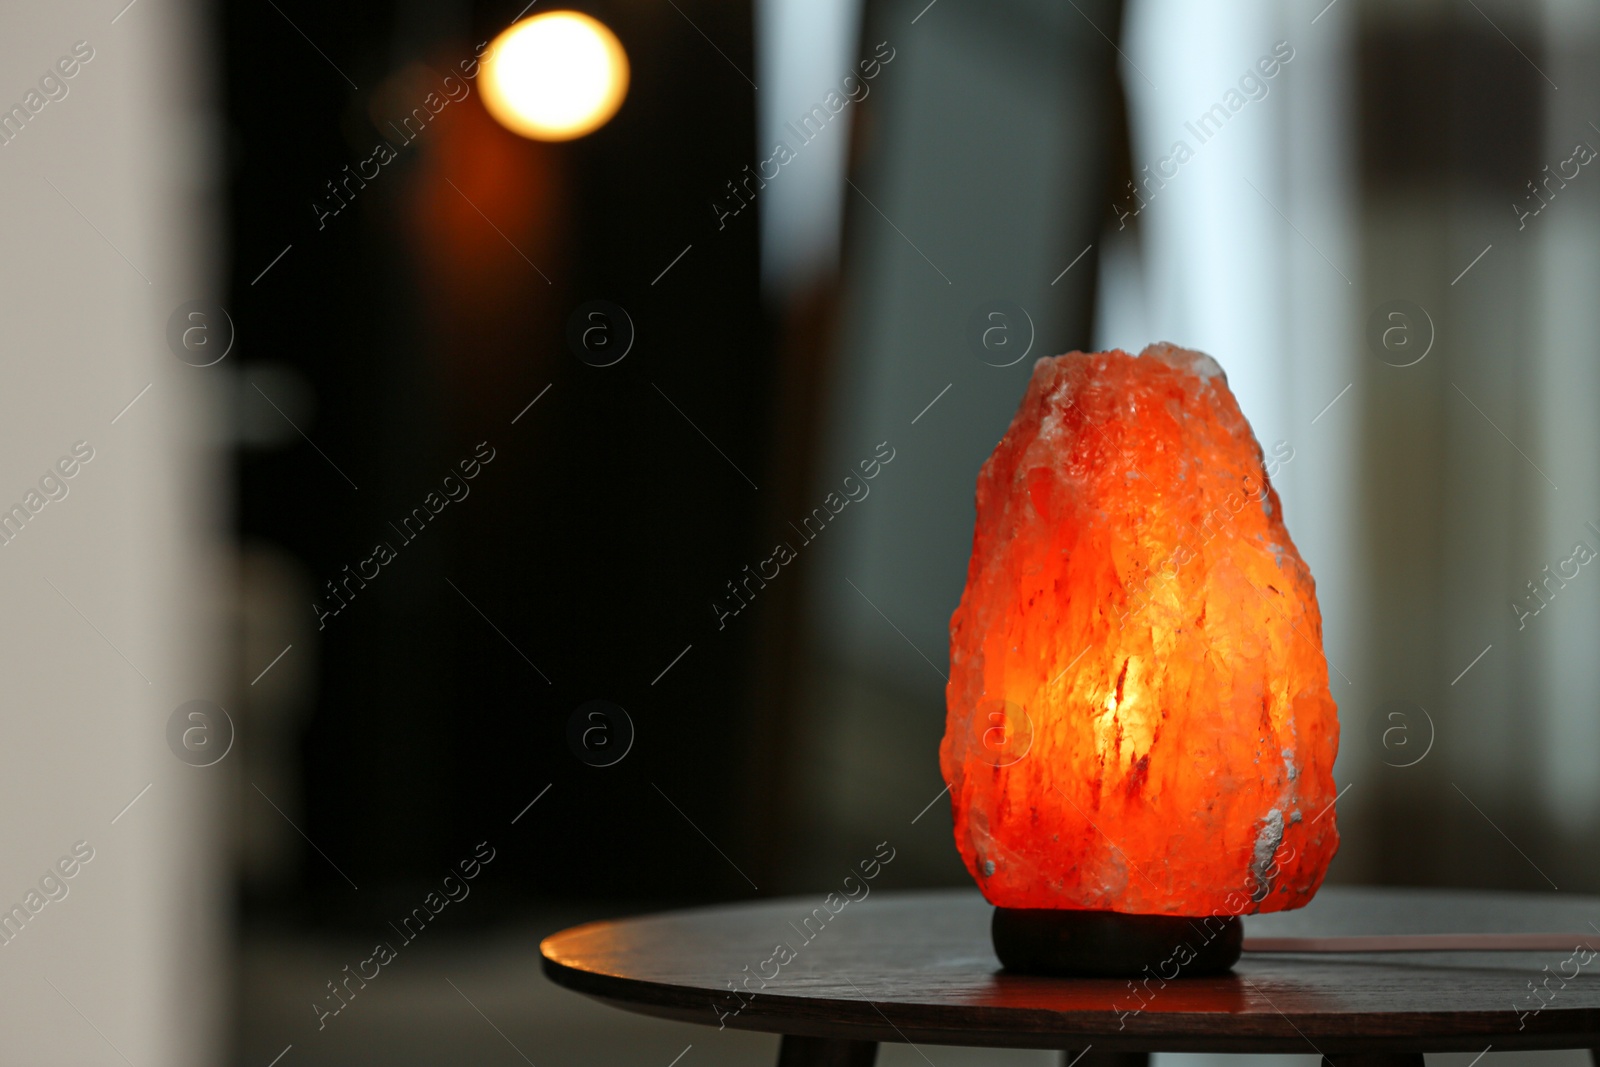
column 1375, row 1059
column 796, row 1051
column 1090, row 1058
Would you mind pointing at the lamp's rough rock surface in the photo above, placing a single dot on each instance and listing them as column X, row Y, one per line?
column 1138, row 710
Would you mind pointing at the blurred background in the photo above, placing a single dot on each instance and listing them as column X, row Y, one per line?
column 435, row 464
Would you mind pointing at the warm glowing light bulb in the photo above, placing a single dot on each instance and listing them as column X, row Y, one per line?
column 555, row 76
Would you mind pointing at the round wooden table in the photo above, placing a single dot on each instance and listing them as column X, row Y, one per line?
column 918, row 968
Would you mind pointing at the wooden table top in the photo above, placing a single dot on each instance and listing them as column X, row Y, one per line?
column 918, row 967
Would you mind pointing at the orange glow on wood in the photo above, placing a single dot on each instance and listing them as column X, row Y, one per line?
column 1139, row 717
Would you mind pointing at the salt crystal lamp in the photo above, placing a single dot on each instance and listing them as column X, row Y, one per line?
column 1140, row 739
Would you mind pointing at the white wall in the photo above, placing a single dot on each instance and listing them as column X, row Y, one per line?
column 804, row 50
column 127, row 968
column 1565, row 672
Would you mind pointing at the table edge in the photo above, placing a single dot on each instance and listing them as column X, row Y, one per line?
column 1003, row 1027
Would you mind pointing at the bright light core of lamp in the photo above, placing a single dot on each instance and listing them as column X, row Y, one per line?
column 555, row 76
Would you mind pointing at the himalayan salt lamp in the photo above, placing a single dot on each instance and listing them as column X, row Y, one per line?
column 1140, row 738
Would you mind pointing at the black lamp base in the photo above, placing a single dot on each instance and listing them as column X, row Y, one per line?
column 1108, row 944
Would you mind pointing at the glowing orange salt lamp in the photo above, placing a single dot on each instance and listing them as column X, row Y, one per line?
column 1140, row 738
